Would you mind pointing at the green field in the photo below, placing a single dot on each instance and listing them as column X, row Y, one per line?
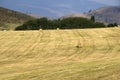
column 78, row 54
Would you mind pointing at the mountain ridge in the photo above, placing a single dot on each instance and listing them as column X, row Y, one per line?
column 108, row 14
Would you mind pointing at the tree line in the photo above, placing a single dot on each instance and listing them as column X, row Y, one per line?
column 65, row 23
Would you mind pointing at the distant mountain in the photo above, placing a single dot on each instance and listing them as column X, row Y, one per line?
column 51, row 8
column 35, row 15
column 76, row 15
column 10, row 16
column 109, row 14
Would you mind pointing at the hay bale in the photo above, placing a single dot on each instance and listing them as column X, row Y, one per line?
column 4, row 30
column 58, row 28
column 40, row 29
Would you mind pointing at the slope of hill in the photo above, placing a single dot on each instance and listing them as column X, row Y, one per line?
column 10, row 16
column 76, row 15
column 109, row 14
column 79, row 54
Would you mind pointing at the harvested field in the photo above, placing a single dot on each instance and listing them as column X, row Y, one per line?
column 78, row 54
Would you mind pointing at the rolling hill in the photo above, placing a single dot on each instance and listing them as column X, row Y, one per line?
column 10, row 19
column 10, row 16
column 76, row 15
column 109, row 14
column 78, row 54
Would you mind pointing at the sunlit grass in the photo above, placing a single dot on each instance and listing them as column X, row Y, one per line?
column 53, row 55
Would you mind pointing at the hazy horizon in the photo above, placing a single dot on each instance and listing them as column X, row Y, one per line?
column 56, row 8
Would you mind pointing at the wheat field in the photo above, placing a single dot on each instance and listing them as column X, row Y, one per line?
column 78, row 54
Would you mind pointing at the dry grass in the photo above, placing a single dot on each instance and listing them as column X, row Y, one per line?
column 55, row 55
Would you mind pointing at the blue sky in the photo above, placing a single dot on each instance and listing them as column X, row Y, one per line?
column 56, row 8
column 108, row 2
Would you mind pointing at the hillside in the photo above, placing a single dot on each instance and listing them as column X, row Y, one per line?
column 10, row 16
column 109, row 14
column 76, row 15
column 78, row 54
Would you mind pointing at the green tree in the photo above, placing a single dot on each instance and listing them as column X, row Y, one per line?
column 65, row 23
column 115, row 24
column 92, row 18
column 112, row 25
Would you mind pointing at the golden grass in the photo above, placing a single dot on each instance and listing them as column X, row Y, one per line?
column 54, row 55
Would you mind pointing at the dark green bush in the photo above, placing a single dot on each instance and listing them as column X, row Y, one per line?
column 65, row 23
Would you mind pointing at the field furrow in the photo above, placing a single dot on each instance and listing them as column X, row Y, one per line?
column 78, row 54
